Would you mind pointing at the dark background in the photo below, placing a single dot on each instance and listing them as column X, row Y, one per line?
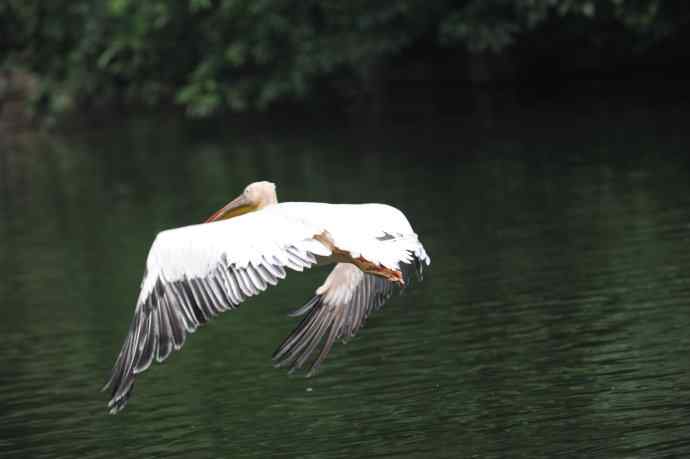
column 214, row 57
column 538, row 147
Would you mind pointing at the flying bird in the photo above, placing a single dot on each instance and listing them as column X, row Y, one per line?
column 195, row 272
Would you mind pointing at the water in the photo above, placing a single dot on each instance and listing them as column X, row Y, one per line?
column 553, row 322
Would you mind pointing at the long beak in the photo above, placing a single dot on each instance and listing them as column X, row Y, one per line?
column 238, row 206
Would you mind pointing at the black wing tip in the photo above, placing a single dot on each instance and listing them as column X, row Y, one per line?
column 308, row 306
column 118, row 403
column 295, row 367
column 291, row 351
column 414, row 271
column 124, row 372
column 121, row 392
column 314, row 370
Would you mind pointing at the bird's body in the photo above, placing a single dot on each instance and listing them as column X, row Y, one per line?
column 195, row 272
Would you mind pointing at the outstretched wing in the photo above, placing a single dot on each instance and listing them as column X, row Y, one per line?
column 196, row 272
column 337, row 311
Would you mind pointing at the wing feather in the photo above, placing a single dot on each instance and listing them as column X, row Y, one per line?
column 276, row 269
column 256, row 279
column 195, row 273
column 165, row 346
column 232, row 287
column 337, row 311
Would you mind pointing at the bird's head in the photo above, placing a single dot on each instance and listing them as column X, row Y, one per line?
column 255, row 196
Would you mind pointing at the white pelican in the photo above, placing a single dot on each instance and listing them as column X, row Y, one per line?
column 195, row 272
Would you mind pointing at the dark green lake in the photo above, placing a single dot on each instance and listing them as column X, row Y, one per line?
column 553, row 322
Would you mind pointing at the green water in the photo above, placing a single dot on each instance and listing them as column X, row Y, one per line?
column 554, row 320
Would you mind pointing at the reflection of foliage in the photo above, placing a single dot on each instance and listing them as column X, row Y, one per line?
column 212, row 55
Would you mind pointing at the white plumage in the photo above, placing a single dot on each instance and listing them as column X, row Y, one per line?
column 194, row 251
column 195, row 272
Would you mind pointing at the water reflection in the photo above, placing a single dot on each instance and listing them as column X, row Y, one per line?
column 553, row 322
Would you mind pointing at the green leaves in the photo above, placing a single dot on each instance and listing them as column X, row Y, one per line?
column 211, row 56
column 478, row 35
column 236, row 54
column 199, row 5
column 201, row 96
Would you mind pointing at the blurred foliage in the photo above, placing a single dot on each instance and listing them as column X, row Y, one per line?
column 211, row 56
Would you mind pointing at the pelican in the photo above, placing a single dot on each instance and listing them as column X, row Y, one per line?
column 195, row 272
